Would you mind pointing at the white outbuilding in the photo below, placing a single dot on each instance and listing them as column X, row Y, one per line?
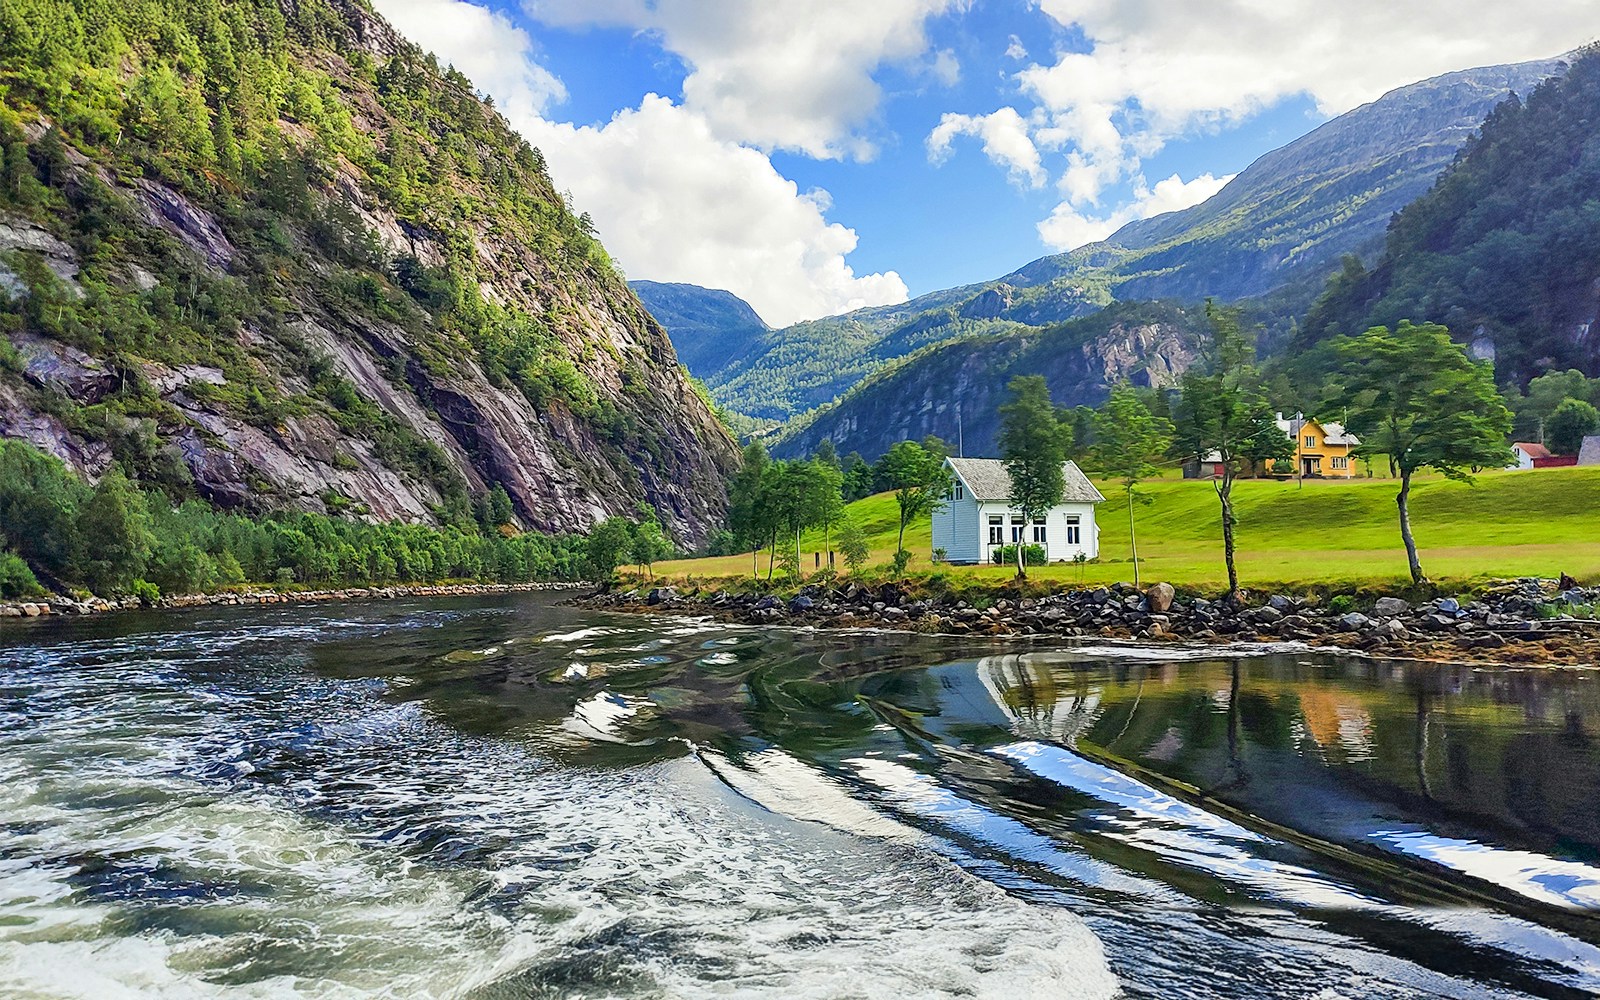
column 977, row 517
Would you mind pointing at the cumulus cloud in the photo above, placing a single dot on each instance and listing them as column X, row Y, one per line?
column 1016, row 50
column 494, row 52
column 675, row 202
column 1005, row 141
column 1155, row 70
column 1068, row 228
column 794, row 75
column 946, row 68
column 673, row 197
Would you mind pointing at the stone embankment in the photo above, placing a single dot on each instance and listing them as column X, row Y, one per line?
column 54, row 605
column 1519, row 621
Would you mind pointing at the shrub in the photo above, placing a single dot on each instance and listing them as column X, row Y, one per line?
column 1032, row 555
column 147, row 592
column 16, row 579
column 1341, row 603
column 902, row 559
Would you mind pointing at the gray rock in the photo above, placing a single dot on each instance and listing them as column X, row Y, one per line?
column 801, row 603
column 1160, row 597
column 1267, row 615
column 1447, row 605
column 1389, row 607
column 1278, row 602
column 1353, row 621
column 661, row 595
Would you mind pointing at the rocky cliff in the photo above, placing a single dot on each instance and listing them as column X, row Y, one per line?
column 954, row 390
column 270, row 254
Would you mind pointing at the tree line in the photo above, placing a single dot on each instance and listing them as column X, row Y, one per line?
column 114, row 538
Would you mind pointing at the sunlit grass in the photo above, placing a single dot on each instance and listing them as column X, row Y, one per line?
column 1322, row 533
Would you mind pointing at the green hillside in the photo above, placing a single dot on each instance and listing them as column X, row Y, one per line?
column 1505, row 249
column 275, row 256
column 1326, row 533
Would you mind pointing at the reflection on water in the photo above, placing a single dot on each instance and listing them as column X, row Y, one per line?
column 513, row 799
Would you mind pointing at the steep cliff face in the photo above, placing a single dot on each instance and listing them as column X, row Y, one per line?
column 272, row 255
column 955, row 390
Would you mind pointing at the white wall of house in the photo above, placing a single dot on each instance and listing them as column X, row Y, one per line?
column 967, row 530
column 1523, row 459
column 956, row 529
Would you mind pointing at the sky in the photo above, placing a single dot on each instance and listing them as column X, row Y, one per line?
column 817, row 156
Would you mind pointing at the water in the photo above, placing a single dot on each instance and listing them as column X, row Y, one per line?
column 507, row 798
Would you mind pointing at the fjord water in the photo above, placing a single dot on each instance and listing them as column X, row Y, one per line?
column 510, row 798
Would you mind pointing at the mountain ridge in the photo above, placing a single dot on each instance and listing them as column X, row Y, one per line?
column 309, row 269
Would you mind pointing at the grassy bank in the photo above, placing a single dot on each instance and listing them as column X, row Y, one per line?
column 1325, row 535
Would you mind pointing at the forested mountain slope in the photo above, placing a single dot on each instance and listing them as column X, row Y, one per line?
column 954, row 390
column 269, row 253
column 710, row 328
column 1505, row 249
column 1279, row 227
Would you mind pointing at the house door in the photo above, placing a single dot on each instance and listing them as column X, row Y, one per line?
column 1308, row 466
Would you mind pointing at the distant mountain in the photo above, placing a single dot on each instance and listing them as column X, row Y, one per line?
column 1278, row 228
column 710, row 328
column 1505, row 249
column 954, row 389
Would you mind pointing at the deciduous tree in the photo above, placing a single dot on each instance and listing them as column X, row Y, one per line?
column 1415, row 396
column 1128, row 439
column 1033, row 446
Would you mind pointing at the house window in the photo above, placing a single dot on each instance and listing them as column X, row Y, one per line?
column 1074, row 530
column 1339, row 462
column 1311, row 441
column 1038, row 531
column 958, row 492
column 997, row 529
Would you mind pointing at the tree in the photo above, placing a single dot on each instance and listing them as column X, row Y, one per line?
column 746, row 502
column 649, row 544
column 609, row 543
column 1571, row 422
column 827, row 501
column 1545, row 394
column 1220, row 415
column 1128, row 437
column 826, row 453
column 919, row 480
column 1415, row 396
column 853, row 546
column 857, row 477
column 115, row 524
column 1033, row 446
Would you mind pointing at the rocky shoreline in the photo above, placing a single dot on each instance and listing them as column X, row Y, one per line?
column 57, row 605
column 1519, row 621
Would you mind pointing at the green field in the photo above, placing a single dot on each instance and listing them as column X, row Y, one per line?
column 1326, row 533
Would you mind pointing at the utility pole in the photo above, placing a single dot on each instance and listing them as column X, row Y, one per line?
column 961, row 441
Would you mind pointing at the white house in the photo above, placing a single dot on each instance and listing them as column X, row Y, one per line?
column 977, row 517
column 1527, row 454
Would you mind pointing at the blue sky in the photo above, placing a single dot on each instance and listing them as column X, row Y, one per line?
column 818, row 155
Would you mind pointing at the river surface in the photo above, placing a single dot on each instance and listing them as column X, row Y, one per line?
column 504, row 797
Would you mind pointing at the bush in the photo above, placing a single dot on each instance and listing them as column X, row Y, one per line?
column 147, row 592
column 16, row 579
column 1341, row 603
column 902, row 559
column 1032, row 555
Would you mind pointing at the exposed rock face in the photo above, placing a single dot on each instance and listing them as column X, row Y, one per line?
column 955, row 391
column 988, row 304
column 633, row 433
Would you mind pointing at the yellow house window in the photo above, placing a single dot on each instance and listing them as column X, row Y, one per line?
column 1311, row 440
column 1341, row 463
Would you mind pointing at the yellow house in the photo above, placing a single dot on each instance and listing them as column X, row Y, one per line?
column 1322, row 448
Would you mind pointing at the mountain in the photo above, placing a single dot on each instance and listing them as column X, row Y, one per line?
column 710, row 328
column 1277, row 228
column 1505, row 248
column 954, row 389
column 268, row 253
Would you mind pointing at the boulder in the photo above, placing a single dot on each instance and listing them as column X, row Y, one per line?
column 661, row 595
column 1278, row 602
column 1390, row 607
column 801, row 603
column 1353, row 621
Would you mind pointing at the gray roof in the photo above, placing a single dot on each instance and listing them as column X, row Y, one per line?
column 987, row 479
column 1589, row 454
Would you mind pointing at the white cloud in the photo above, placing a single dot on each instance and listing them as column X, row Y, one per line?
column 780, row 74
column 674, row 202
column 1016, row 50
column 946, row 68
column 1155, row 70
column 495, row 53
column 1005, row 142
column 673, row 198
column 1068, row 228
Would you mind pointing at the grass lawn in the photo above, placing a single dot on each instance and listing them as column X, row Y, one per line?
column 1327, row 533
